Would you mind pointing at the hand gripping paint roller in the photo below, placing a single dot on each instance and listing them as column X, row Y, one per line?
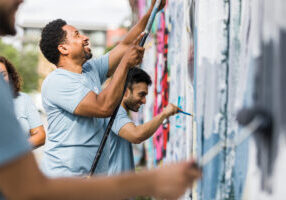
column 112, row 118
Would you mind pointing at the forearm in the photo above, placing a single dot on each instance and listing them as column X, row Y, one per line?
column 138, row 28
column 14, row 177
column 118, row 52
column 146, row 130
column 120, row 187
column 38, row 138
column 111, row 95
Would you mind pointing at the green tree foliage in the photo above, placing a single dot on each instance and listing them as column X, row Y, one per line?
column 26, row 64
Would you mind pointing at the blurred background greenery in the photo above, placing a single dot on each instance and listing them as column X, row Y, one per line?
column 25, row 62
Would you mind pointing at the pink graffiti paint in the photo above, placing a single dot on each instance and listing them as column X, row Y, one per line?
column 161, row 88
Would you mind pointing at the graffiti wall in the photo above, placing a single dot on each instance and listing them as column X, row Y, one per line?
column 216, row 59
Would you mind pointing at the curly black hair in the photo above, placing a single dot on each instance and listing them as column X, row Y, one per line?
column 137, row 75
column 14, row 78
column 52, row 35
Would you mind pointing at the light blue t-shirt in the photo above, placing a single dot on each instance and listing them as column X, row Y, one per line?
column 72, row 140
column 13, row 143
column 27, row 113
column 121, row 154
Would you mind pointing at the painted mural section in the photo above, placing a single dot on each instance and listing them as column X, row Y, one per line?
column 172, row 72
column 214, row 58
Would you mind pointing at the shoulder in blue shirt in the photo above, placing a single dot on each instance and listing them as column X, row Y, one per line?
column 121, row 153
column 73, row 140
column 27, row 113
column 12, row 140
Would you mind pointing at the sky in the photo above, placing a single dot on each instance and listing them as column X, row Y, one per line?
column 110, row 13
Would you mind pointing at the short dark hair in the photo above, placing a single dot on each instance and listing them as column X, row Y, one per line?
column 14, row 78
column 137, row 75
column 53, row 35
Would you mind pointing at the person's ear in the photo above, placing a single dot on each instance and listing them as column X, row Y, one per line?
column 127, row 92
column 63, row 49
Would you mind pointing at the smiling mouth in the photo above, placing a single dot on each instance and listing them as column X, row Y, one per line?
column 86, row 44
column 87, row 47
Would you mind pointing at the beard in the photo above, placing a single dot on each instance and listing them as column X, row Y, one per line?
column 87, row 55
column 131, row 105
column 7, row 23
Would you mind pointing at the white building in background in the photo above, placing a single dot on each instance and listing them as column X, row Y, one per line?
column 32, row 34
column 92, row 17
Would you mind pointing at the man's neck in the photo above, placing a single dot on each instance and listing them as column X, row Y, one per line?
column 123, row 105
column 71, row 66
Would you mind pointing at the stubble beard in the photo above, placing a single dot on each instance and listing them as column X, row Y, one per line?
column 87, row 55
column 131, row 106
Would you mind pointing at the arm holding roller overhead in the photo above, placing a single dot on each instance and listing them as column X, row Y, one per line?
column 115, row 57
column 117, row 53
column 104, row 103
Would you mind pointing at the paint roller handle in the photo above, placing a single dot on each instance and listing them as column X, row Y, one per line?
column 107, row 131
column 152, row 16
column 143, row 39
column 150, row 22
column 256, row 124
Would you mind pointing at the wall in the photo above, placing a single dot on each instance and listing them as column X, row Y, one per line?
column 213, row 58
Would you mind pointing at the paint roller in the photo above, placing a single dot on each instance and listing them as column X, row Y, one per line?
column 150, row 22
column 112, row 118
column 254, row 120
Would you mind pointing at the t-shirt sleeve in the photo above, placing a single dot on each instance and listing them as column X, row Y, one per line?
column 33, row 115
column 100, row 66
column 13, row 143
column 64, row 92
column 121, row 120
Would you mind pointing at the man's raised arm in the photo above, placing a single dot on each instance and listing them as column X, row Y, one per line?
column 104, row 104
column 117, row 53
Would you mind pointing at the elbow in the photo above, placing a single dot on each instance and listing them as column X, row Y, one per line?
column 102, row 112
column 137, row 140
column 108, row 108
column 107, row 111
column 134, row 135
column 43, row 139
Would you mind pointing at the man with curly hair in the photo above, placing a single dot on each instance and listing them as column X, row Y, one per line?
column 72, row 96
